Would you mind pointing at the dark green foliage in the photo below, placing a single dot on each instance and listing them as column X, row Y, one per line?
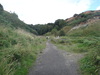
column 44, row 28
column 75, row 15
column 41, row 29
column 16, row 57
column 61, row 33
column 60, row 23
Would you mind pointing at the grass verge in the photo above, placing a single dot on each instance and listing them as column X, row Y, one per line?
column 18, row 50
column 90, row 64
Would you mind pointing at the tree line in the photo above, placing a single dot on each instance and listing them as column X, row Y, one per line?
column 50, row 27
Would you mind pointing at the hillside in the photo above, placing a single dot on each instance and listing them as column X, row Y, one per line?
column 19, row 46
column 62, row 27
column 83, row 21
column 81, row 34
column 12, row 20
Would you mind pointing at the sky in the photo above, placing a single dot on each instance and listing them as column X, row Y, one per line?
column 47, row 11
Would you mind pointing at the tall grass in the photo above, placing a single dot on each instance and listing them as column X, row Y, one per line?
column 90, row 46
column 18, row 50
column 91, row 30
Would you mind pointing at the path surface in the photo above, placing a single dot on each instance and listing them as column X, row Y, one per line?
column 55, row 62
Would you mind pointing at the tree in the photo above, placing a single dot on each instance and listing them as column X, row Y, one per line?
column 60, row 23
column 75, row 15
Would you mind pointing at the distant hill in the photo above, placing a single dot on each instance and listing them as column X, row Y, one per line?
column 60, row 27
column 12, row 20
column 83, row 22
column 50, row 27
column 64, row 27
column 83, row 17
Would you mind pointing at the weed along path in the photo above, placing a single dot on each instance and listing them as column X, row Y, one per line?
column 55, row 62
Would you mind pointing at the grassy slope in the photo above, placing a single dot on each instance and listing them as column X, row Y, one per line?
column 91, row 30
column 84, row 40
column 90, row 64
column 12, row 20
column 18, row 50
column 18, row 46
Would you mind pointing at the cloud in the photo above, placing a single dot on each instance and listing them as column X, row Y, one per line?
column 83, row 5
column 44, row 11
column 98, row 8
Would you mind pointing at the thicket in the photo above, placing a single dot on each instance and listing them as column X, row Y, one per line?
column 45, row 28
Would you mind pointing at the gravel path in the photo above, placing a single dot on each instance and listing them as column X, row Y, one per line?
column 56, row 62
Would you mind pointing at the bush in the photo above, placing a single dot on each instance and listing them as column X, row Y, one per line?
column 61, row 33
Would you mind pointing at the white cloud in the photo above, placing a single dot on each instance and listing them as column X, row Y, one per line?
column 98, row 8
column 44, row 11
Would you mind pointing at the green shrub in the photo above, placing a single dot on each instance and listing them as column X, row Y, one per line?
column 61, row 33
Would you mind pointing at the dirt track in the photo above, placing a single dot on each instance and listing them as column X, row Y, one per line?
column 56, row 62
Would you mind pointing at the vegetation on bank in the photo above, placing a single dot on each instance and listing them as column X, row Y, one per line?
column 89, row 30
column 84, row 40
column 18, row 50
column 19, row 46
column 90, row 64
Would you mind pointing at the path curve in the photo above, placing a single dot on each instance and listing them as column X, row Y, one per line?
column 56, row 62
